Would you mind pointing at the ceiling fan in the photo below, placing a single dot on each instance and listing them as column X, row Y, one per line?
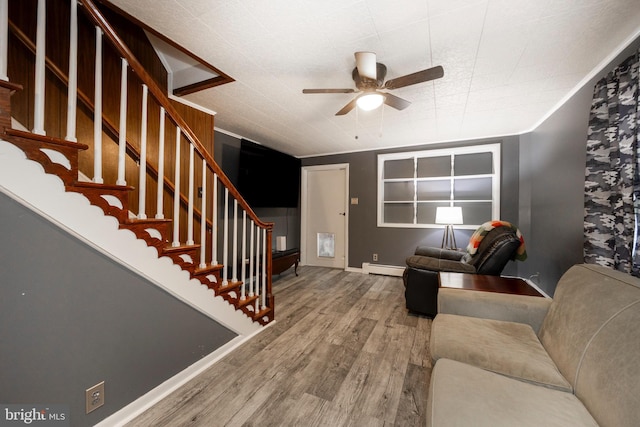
column 369, row 75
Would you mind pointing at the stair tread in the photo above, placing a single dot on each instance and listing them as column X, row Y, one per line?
column 246, row 301
column 46, row 139
column 230, row 286
column 208, row 269
column 181, row 248
column 137, row 221
column 262, row 313
column 98, row 186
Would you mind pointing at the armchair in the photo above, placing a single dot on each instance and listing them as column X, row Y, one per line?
column 491, row 246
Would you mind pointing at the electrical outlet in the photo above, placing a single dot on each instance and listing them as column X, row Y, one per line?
column 94, row 397
column 375, row 257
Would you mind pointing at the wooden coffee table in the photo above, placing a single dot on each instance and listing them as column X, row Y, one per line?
column 479, row 282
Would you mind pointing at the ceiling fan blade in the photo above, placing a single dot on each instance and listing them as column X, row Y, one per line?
column 366, row 65
column 350, row 106
column 414, row 78
column 395, row 102
column 328, row 90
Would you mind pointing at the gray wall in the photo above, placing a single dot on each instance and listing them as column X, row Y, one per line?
column 71, row 317
column 394, row 245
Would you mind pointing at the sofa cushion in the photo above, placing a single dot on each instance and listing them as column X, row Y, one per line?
column 464, row 395
column 508, row 348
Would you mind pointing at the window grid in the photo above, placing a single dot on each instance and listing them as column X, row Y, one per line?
column 389, row 206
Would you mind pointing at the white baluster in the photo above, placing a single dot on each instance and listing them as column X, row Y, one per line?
column 264, row 268
column 142, row 174
column 214, row 220
column 251, row 256
column 4, row 39
column 203, row 217
column 234, row 276
column 38, row 105
column 97, row 115
column 243, row 268
column 122, row 138
column 176, row 194
column 160, row 196
column 190, row 196
column 225, row 239
column 256, row 282
column 72, row 98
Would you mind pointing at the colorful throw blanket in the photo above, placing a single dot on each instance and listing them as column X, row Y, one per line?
column 478, row 235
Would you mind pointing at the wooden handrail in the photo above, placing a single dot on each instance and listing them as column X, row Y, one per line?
column 106, row 123
column 98, row 19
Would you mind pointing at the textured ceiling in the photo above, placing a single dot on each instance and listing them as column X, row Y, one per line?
column 507, row 63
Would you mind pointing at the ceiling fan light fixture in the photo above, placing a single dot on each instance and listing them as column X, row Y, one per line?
column 370, row 101
column 369, row 78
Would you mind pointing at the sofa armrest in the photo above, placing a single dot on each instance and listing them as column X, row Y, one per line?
column 439, row 253
column 436, row 264
column 526, row 309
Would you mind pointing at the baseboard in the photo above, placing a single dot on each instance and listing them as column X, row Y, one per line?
column 386, row 270
column 143, row 403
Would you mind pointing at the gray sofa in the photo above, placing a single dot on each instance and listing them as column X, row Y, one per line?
column 509, row 360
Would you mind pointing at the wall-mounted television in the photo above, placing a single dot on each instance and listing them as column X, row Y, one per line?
column 267, row 177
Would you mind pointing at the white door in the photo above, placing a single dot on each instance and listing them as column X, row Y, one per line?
column 324, row 216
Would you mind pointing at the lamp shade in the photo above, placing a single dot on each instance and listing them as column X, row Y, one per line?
column 370, row 101
column 449, row 215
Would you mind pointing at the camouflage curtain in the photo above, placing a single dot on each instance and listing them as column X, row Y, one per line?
column 612, row 184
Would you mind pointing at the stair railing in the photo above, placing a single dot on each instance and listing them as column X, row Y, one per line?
column 250, row 237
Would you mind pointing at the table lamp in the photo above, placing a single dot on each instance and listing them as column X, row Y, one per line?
column 448, row 216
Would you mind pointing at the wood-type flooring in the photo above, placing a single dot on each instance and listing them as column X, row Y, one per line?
column 343, row 351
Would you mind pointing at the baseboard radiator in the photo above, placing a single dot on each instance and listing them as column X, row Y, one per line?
column 385, row 270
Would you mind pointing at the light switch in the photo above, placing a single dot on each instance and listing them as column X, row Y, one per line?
column 354, row 200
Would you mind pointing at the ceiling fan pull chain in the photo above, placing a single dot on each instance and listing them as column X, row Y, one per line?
column 357, row 123
column 381, row 120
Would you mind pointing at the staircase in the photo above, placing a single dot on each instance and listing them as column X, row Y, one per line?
column 162, row 155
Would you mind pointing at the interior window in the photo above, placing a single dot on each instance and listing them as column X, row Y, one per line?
column 412, row 185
